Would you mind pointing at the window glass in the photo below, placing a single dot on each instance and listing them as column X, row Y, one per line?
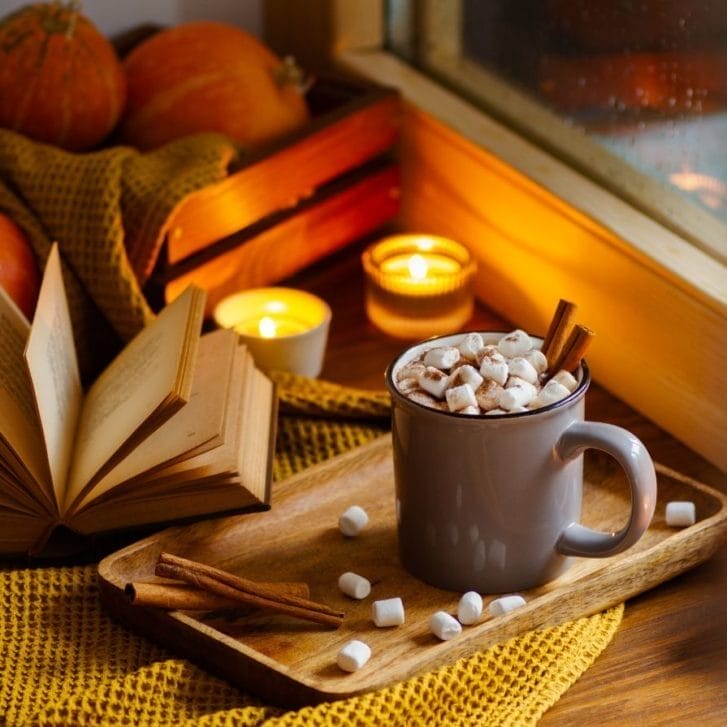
column 645, row 79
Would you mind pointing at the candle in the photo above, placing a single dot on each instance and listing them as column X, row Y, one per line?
column 284, row 329
column 418, row 285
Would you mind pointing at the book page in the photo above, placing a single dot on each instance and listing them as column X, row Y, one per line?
column 19, row 426
column 142, row 387
column 50, row 356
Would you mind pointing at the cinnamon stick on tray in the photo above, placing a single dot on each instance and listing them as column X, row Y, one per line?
column 242, row 590
column 183, row 597
column 573, row 350
column 558, row 329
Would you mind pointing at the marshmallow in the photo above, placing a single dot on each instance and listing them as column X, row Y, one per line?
column 421, row 397
column 494, row 368
column 502, row 605
column 353, row 520
column 466, row 375
column 514, row 344
column 389, row 612
column 434, row 381
column 442, row 357
column 410, row 371
column 495, row 412
column 680, row 513
column 460, row 397
column 353, row 655
column 470, row 410
column 444, row 626
column 488, row 395
column 553, row 391
column 518, row 393
column 523, row 369
column 566, row 378
column 354, row 585
column 536, row 358
column 471, row 345
column 407, row 385
column 469, row 608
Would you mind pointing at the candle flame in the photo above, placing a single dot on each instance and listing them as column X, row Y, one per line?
column 267, row 327
column 418, row 267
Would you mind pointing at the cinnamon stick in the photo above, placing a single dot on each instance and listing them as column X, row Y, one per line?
column 573, row 350
column 558, row 329
column 183, row 597
column 243, row 590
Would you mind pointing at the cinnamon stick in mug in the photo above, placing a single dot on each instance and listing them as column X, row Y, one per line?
column 573, row 350
column 558, row 329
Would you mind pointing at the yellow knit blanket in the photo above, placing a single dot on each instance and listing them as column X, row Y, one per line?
column 63, row 661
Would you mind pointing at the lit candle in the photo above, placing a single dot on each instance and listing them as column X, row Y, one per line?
column 284, row 329
column 418, row 285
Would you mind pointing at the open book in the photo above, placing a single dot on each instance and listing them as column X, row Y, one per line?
column 178, row 425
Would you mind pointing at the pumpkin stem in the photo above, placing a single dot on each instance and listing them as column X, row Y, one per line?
column 290, row 73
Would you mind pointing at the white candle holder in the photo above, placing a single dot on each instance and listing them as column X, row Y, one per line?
column 418, row 285
column 284, row 329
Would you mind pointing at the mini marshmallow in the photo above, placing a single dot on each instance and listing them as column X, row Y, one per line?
column 469, row 608
column 353, row 521
column 680, row 513
column 460, row 397
column 470, row 410
column 495, row 412
column 466, row 375
column 353, row 655
column 494, row 368
column 471, row 345
column 388, row 612
column 518, row 393
column 488, row 394
column 442, row 357
column 502, row 605
column 354, row 585
column 553, row 391
column 410, row 371
column 514, row 344
column 407, row 385
column 566, row 378
column 444, row 626
column 421, row 397
column 536, row 358
column 523, row 369
column 434, row 381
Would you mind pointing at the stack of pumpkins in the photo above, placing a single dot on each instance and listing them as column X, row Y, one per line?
column 62, row 82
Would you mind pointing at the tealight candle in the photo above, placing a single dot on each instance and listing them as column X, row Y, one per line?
column 418, row 285
column 284, row 329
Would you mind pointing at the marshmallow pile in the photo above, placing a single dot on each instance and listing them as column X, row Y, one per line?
column 473, row 376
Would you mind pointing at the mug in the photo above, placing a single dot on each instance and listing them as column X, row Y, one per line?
column 493, row 503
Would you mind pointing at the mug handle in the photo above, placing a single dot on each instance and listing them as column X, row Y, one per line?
column 631, row 454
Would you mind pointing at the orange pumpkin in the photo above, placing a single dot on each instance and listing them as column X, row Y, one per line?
column 208, row 76
column 61, row 81
column 18, row 269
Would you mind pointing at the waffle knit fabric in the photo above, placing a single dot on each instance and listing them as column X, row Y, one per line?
column 63, row 661
column 108, row 212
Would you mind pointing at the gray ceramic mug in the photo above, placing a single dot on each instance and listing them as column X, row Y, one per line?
column 493, row 503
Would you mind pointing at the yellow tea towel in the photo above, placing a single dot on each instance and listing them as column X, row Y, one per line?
column 108, row 211
column 63, row 661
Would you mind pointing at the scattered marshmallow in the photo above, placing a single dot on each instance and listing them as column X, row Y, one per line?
column 354, row 585
column 469, row 608
column 460, row 397
column 566, row 378
column 536, row 358
column 519, row 393
column 444, row 626
column 495, row 412
column 421, row 397
column 353, row 520
column 514, row 344
column 388, row 612
column 407, row 385
column 470, row 411
column 502, row 605
column 410, row 371
column 680, row 513
column 488, row 395
column 442, row 357
column 471, row 345
column 553, row 391
column 523, row 369
column 434, row 381
column 495, row 368
column 466, row 375
column 353, row 655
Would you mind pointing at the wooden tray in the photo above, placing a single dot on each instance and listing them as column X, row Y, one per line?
column 289, row 662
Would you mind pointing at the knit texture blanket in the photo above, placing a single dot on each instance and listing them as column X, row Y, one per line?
column 63, row 661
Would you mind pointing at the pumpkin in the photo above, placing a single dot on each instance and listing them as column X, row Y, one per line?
column 18, row 269
column 61, row 81
column 209, row 76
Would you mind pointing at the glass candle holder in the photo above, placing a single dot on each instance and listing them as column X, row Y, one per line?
column 284, row 329
column 418, row 285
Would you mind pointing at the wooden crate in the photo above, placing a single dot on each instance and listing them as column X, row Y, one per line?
column 289, row 206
